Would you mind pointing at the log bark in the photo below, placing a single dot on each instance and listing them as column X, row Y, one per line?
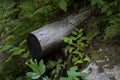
column 48, row 38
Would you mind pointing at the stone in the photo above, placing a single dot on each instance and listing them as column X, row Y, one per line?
column 106, row 74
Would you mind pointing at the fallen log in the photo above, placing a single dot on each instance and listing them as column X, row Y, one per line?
column 48, row 38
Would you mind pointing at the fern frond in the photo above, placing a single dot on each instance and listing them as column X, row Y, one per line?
column 112, row 30
column 27, row 7
column 7, row 5
column 43, row 10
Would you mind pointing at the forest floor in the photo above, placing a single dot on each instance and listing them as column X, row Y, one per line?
column 105, row 59
column 105, row 52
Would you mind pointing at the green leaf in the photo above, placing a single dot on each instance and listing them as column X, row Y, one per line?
column 74, row 59
column 20, row 78
column 87, row 58
column 46, row 78
column 80, row 55
column 8, row 5
column 5, row 47
column 93, row 2
column 67, row 40
column 63, row 5
column 23, row 42
column 100, row 2
column 91, row 35
column 82, row 74
column 74, row 32
column 78, row 62
column 80, row 35
column 33, row 65
column 104, row 8
column 73, row 38
column 76, row 78
column 70, row 49
column 72, row 72
column 25, row 55
column 51, row 64
column 109, row 12
column 41, row 67
column 80, row 30
column 65, row 78
column 32, row 75
column 17, row 51
column 74, row 68
column 112, row 31
column 10, row 37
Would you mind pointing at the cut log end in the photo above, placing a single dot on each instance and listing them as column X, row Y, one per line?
column 34, row 46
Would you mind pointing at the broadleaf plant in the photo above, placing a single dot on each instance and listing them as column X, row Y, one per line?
column 76, row 45
column 73, row 74
column 38, row 69
column 63, row 5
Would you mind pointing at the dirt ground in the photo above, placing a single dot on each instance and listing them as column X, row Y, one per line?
column 105, row 52
column 105, row 59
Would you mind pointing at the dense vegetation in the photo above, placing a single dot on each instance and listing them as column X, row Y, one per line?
column 19, row 17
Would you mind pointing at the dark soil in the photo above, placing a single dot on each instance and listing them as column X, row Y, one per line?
column 105, row 53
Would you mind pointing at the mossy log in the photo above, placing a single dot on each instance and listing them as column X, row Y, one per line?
column 48, row 38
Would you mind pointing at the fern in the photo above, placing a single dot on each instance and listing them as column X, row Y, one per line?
column 28, row 7
column 110, row 13
column 43, row 10
column 113, row 29
column 20, row 17
column 77, row 44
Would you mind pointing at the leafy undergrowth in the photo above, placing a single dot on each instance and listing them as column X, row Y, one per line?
column 19, row 17
column 60, row 68
column 39, row 71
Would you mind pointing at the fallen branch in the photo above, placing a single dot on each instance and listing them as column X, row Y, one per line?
column 48, row 38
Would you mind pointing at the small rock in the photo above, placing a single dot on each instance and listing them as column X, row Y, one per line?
column 101, row 73
column 107, row 58
column 106, row 65
column 90, row 70
column 100, row 50
column 100, row 61
column 100, row 69
column 112, row 78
